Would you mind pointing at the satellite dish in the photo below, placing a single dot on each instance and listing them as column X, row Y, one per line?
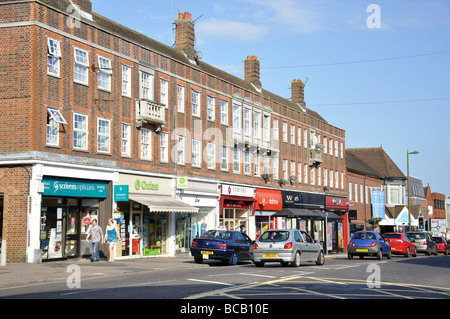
column 198, row 55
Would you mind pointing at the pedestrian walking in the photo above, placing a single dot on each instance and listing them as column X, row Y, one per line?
column 96, row 233
column 111, row 238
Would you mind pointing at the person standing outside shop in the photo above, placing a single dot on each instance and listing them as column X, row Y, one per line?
column 96, row 232
column 111, row 238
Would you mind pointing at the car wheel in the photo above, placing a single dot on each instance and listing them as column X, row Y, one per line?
column 389, row 255
column 407, row 252
column 198, row 260
column 446, row 252
column 259, row 264
column 320, row 259
column 415, row 252
column 234, row 259
column 379, row 254
column 297, row 260
column 428, row 252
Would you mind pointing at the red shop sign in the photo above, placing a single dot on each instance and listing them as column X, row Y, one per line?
column 336, row 203
column 267, row 199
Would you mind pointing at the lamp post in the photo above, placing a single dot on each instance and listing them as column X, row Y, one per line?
column 409, row 202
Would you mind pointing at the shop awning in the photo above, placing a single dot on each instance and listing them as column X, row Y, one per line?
column 160, row 204
column 297, row 213
column 331, row 215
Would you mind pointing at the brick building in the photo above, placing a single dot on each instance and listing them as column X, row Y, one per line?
column 90, row 107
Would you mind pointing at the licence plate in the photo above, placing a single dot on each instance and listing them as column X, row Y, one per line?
column 393, row 248
column 270, row 255
column 207, row 252
column 417, row 244
column 362, row 250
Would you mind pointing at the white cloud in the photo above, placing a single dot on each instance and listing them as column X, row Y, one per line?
column 231, row 30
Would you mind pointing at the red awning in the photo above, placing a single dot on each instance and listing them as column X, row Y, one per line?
column 268, row 199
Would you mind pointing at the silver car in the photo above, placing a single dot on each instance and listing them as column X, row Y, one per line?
column 424, row 242
column 287, row 246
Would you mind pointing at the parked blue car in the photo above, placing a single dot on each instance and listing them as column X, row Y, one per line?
column 228, row 246
column 368, row 243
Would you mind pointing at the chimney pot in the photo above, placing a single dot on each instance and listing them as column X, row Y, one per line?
column 185, row 34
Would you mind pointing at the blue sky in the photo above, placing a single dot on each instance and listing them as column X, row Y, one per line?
column 385, row 86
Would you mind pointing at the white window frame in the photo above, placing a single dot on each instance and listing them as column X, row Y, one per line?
column 224, row 159
column 292, row 169
column 164, row 92
column 247, row 163
column 126, row 80
column 285, row 136
column 196, row 153
column 81, row 66
column 164, row 144
column 146, row 144
column 211, row 108
column 305, row 138
column 257, row 125
column 223, row 112
column 275, row 165
column 126, row 140
column 146, row 85
column 266, row 128
column 104, row 73
column 103, row 135
column 237, row 118
column 236, row 161
column 54, row 119
column 247, row 121
column 211, row 155
column 292, row 134
column 299, row 136
column 276, row 132
column 180, row 98
column 180, row 150
column 80, row 134
column 305, row 173
column 285, row 169
column 53, row 57
column 299, row 172
column 325, row 177
column 196, row 97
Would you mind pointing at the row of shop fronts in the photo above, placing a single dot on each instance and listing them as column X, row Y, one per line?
column 159, row 215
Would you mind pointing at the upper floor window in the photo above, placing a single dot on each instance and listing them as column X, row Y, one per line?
column 54, row 118
column 53, row 56
column 211, row 108
column 164, row 147
column 275, row 129
column 224, row 112
column 80, row 131
column 126, row 140
column 247, row 121
column 146, row 86
column 146, row 143
column 104, row 73
column 81, row 66
column 126, row 81
column 257, row 125
column 180, row 98
column 195, row 103
column 236, row 118
column 103, row 135
column 164, row 98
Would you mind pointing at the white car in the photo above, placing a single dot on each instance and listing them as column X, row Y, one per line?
column 287, row 246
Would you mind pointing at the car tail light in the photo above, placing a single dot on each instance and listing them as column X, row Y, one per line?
column 223, row 245
column 255, row 246
column 194, row 243
column 400, row 241
column 425, row 243
column 373, row 244
column 352, row 244
column 288, row 246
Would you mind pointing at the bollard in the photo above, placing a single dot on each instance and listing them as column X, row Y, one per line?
column 3, row 253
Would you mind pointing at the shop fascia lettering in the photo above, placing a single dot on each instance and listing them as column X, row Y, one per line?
column 237, row 190
column 138, row 185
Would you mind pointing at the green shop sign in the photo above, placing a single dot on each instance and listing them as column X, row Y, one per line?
column 138, row 185
column 59, row 186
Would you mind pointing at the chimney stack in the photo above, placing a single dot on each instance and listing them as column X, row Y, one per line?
column 84, row 5
column 252, row 70
column 185, row 34
column 298, row 92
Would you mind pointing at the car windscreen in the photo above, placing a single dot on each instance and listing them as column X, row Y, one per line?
column 416, row 235
column 274, row 236
column 364, row 236
column 392, row 236
column 217, row 234
column 438, row 240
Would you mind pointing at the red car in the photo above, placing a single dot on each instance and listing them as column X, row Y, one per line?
column 401, row 244
column 442, row 245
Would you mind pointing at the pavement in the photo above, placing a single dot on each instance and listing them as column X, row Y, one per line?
column 14, row 275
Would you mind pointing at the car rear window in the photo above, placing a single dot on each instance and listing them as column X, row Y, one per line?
column 215, row 234
column 392, row 236
column 364, row 236
column 438, row 240
column 416, row 235
column 274, row 236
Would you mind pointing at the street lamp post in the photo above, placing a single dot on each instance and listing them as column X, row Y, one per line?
column 409, row 202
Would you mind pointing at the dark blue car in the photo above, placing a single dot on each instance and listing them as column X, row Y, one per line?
column 368, row 243
column 225, row 245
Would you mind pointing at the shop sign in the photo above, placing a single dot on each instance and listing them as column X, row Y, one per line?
column 240, row 204
column 336, row 203
column 182, row 182
column 378, row 204
column 237, row 190
column 268, row 200
column 146, row 185
column 121, row 193
column 303, row 200
column 59, row 186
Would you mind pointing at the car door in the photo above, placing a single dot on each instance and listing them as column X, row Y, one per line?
column 247, row 244
column 384, row 244
column 311, row 249
column 241, row 245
